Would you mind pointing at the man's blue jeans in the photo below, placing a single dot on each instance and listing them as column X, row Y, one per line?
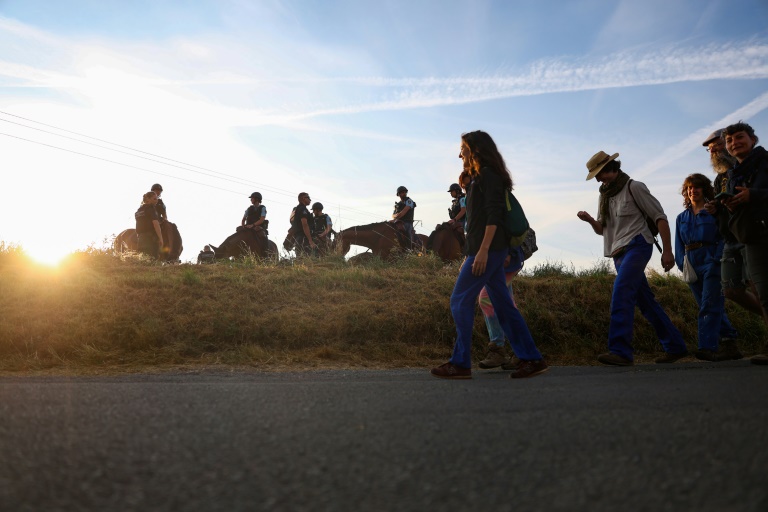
column 463, row 298
column 631, row 289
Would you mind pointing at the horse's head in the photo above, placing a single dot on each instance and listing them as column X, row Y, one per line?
column 343, row 241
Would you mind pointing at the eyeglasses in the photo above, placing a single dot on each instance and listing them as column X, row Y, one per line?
column 715, row 146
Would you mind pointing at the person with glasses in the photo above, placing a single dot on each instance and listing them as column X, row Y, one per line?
column 301, row 220
column 733, row 269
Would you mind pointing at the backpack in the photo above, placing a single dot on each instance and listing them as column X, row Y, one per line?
column 529, row 244
column 515, row 224
column 651, row 223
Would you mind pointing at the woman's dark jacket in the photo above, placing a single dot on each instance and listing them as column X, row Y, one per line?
column 486, row 207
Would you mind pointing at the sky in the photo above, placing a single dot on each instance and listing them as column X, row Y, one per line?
column 349, row 99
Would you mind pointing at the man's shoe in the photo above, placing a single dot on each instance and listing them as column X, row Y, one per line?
column 760, row 359
column 449, row 371
column 529, row 369
column 494, row 358
column 671, row 358
column 614, row 360
column 513, row 364
column 728, row 350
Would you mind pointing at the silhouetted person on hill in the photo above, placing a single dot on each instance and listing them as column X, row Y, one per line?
column 148, row 226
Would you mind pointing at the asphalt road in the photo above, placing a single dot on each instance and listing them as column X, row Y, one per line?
column 689, row 436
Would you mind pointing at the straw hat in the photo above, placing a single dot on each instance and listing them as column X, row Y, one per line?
column 597, row 162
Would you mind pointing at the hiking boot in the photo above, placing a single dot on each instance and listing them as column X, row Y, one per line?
column 710, row 355
column 614, row 360
column 529, row 369
column 671, row 358
column 449, row 371
column 494, row 358
column 728, row 350
column 511, row 365
column 760, row 359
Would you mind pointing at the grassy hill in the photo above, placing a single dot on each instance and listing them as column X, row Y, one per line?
column 100, row 313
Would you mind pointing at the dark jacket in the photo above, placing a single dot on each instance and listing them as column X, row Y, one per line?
column 753, row 174
column 486, row 207
column 144, row 217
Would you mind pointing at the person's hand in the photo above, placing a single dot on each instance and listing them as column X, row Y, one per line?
column 667, row 260
column 740, row 198
column 586, row 217
column 451, row 222
column 481, row 260
column 711, row 207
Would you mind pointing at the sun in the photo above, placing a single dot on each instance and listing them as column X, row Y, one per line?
column 47, row 256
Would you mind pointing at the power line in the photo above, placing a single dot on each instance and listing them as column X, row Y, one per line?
column 222, row 176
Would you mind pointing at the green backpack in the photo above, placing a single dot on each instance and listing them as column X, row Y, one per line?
column 515, row 223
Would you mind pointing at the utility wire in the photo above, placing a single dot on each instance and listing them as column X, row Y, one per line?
column 133, row 166
column 222, row 176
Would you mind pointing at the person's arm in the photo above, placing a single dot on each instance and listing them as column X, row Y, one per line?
column 596, row 226
column 307, row 233
column 460, row 215
column 679, row 246
column 401, row 214
column 667, row 256
column 159, row 233
column 328, row 227
column 481, row 258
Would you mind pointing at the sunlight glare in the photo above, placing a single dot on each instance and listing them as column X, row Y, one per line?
column 47, row 256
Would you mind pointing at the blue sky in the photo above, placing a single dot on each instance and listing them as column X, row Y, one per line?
column 347, row 100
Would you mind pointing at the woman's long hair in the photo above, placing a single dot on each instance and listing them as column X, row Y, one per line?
column 698, row 181
column 483, row 153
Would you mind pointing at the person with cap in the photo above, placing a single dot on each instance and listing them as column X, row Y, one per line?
column 458, row 210
column 255, row 215
column 162, row 212
column 746, row 207
column 404, row 212
column 301, row 222
column 733, row 268
column 487, row 249
column 148, row 226
column 623, row 207
column 698, row 245
column 321, row 224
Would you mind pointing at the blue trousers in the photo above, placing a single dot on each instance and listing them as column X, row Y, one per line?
column 713, row 323
column 631, row 289
column 463, row 298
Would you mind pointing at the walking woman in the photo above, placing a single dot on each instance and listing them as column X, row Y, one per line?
column 487, row 247
column 697, row 238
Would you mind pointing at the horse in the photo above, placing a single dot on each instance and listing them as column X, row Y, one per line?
column 447, row 241
column 128, row 240
column 384, row 239
column 245, row 242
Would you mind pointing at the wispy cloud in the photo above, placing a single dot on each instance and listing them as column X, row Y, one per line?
column 694, row 140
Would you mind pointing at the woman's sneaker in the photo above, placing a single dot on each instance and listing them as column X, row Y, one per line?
column 450, row 371
column 529, row 369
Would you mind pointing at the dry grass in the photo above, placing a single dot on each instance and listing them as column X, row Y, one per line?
column 97, row 313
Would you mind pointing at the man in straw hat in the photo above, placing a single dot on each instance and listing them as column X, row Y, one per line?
column 622, row 210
